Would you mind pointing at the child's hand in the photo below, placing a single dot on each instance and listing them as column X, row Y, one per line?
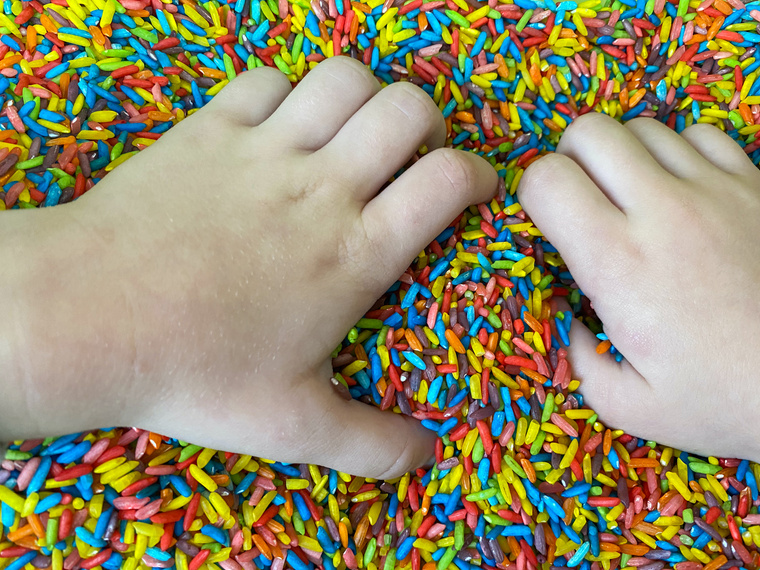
column 661, row 232
column 229, row 260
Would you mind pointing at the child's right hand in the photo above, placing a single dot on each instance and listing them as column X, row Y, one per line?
column 661, row 232
column 199, row 290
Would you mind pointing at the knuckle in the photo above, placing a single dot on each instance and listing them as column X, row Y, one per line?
column 688, row 208
column 412, row 101
column 399, row 460
column 642, row 124
column 260, row 75
column 456, row 169
column 548, row 170
column 364, row 260
column 346, row 70
column 398, row 465
column 406, row 89
column 247, row 86
column 342, row 63
column 700, row 130
column 590, row 125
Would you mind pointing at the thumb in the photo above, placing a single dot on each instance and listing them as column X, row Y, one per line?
column 359, row 439
column 615, row 390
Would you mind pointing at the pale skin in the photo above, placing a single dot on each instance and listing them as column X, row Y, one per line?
column 199, row 290
column 661, row 232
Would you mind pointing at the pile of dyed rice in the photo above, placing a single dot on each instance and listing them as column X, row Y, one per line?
column 465, row 341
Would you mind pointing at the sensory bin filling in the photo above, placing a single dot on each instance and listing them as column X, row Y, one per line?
column 526, row 476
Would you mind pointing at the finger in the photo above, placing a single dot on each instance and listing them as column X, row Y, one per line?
column 360, row 439
column 384, row 134
column 718, row 148
column 407, row 215
column 671, row 151
column 252, row 96
column 575, row 216
column 612, row 157
column 322, row 103
column 614, row 390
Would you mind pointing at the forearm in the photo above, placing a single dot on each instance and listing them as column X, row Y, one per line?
column 62, row 339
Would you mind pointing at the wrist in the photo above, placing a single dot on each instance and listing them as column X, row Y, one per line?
column 64, row 341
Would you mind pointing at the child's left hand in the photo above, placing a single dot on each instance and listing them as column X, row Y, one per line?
column 661, row 232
